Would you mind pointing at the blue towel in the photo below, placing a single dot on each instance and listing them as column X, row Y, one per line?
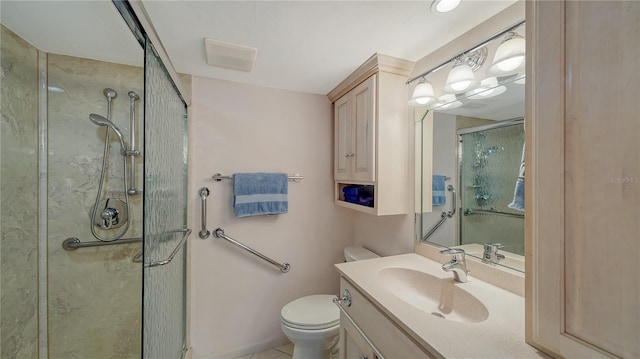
column 257, row 194
column 518, row 192
column 438, row 192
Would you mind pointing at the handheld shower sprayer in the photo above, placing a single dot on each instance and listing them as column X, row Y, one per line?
column 112, row 216
column 101, row 121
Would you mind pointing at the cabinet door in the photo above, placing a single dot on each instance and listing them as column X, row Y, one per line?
column 583, row 178
column 364, row 117
column 343, row 139
column 352, row 344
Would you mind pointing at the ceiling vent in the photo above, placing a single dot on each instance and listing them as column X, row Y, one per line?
column 230, row 56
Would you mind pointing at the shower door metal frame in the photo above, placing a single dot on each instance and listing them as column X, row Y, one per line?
column 136, row 17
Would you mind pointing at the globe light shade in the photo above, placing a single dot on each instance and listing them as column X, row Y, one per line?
column 488, row 88
column 446, row 102
column 509, row 56
column 423, row 94
column 460, row 79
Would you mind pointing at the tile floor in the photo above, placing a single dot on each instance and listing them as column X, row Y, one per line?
column 281, row 352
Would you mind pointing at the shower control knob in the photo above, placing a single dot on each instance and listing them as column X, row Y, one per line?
column 109, row 217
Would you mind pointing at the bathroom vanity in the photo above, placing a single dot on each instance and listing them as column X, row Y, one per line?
column 406, row 306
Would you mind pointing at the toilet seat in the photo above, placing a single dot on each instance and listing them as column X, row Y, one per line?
column 314, row 312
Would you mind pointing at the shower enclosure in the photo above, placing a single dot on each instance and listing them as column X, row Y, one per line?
column 100, row 299
column 490, row 158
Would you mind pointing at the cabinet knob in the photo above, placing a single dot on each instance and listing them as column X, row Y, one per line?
column 348, row 155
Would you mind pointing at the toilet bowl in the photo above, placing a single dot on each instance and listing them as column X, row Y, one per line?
column 312, row 323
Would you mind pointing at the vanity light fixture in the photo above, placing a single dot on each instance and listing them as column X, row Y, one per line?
column 446, row 102
column 488, row 88
column 460, row 78
column 444, row 6
column 423, row 94
column 509, row 57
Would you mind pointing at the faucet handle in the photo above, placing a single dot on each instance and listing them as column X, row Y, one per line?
column 491, row 253
column 457, row 253
column 493, row 246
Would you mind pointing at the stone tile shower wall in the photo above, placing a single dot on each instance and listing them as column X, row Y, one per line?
column 94, row 296
column 18, row 202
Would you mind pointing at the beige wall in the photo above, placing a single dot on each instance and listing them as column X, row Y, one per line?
column 235, row 297
column 19, row 205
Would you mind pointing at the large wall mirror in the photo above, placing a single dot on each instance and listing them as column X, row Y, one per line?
column 471, row 143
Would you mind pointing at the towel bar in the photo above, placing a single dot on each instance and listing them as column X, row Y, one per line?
column 219, row 177
column 219, row 233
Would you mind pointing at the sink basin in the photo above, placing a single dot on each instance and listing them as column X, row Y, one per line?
column 442, row 298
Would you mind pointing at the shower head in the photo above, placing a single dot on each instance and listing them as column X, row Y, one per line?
column 101, row 121
column 134, row 96
column 110, row 93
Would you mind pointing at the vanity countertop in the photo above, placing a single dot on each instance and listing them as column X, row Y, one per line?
column 501, row 335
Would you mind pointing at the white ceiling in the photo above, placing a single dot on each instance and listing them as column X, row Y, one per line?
column 307, row 46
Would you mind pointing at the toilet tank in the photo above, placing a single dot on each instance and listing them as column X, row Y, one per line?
column 357, row 254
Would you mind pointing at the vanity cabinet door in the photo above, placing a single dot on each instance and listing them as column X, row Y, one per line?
column 352, row 344
column 389, row 340
column 583, row 178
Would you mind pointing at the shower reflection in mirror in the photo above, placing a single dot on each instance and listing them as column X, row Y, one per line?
column 490, row 158
column 112, row 214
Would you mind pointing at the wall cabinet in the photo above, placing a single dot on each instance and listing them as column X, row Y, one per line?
column 583, row 178
column 386, row 337
column 354, row 133
column 372, row 135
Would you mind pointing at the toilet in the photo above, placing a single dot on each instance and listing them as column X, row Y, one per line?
column 312, row 323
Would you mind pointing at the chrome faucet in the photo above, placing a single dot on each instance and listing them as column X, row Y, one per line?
column 491, row 254
column 457, row 264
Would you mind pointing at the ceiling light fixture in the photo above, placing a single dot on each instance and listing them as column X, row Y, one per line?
column 509, row 57
column 444, row 6
column 423, row 94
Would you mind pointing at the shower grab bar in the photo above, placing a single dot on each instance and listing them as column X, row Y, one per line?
column 186, row 232
column 284, row 267
column 219, row 177
column 443, row 216
column 204, row 232
column 485, row 212
column 73, row 243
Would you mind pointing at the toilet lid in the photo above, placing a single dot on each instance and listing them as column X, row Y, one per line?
column 311, row 312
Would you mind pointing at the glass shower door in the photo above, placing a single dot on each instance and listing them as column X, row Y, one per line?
column 490, row 159
column 165, row 165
